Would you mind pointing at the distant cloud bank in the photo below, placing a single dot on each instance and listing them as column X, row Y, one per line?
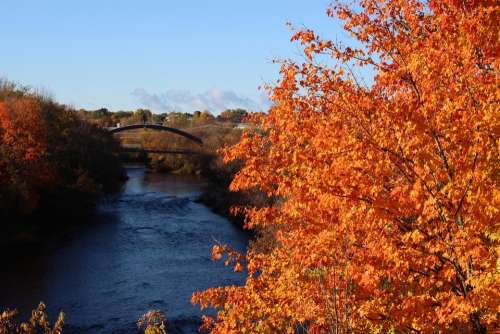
column 214, row 100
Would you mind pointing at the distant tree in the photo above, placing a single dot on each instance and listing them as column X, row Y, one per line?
column 82, row 113
column 202, row 117
column 232, row 115
column 123, row 117
column 101, row 117
column 159, row 118
column 177, row 119
column 143, row 115
column 100, row 113
column 123, row 114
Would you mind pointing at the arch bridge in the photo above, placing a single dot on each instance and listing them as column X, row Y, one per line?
column 156, row 127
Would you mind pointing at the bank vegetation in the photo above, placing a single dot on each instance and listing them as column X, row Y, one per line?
column 51, row 161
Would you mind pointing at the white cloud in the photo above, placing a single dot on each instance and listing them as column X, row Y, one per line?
column 215, row 100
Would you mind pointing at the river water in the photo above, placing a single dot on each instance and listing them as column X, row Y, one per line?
column 147, row 247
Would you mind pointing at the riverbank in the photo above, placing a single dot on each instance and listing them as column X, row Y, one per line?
column 220, row 200
column 217, row 195
column 52, row 163
column 58, row 215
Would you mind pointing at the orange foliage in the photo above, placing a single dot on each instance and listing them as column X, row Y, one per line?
column 48, row 155
column 23, row 129
column 38, row 322
column 387, row 210
column 23, row 144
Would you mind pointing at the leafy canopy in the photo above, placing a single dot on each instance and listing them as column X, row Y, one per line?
column 386, row 214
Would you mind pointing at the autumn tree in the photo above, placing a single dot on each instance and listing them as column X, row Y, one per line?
column 202, row 117
column 23, row 150
column 143, row 116
column 386, row 214
column 232, row 115
column 178, row 119
column 49, row 156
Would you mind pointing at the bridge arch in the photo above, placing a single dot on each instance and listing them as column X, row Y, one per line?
column 158, row 128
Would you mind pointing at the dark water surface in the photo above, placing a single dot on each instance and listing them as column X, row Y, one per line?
column 147, row 247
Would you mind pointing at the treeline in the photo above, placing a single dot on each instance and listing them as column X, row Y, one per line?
column 105, row 118
column 49, row 157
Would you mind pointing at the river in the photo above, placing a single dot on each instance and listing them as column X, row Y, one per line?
column 147, row 247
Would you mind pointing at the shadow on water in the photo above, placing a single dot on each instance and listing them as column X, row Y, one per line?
column 147, row 247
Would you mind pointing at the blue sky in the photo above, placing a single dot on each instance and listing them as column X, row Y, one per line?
column 159, row 54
